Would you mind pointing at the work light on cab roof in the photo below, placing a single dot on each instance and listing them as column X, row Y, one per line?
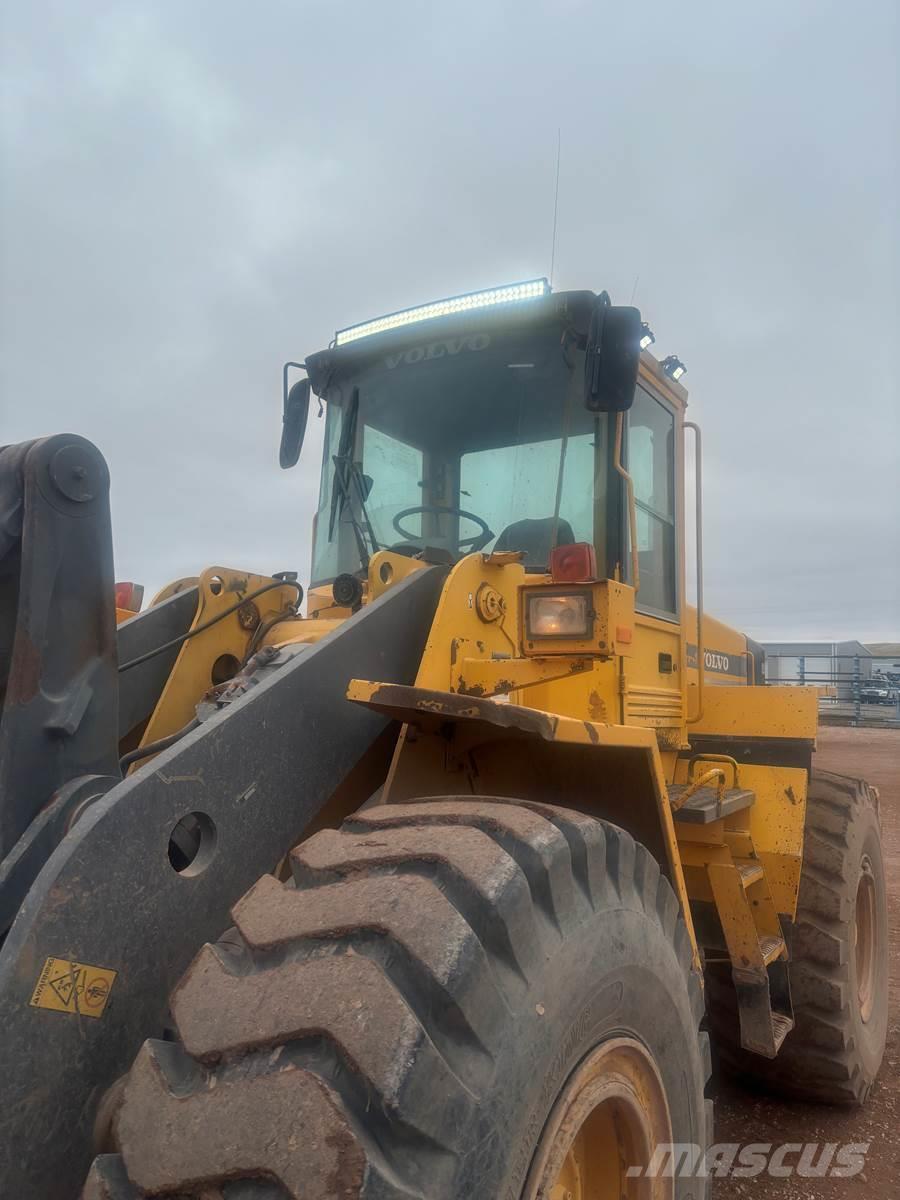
column 510, row 293
column 673, row 366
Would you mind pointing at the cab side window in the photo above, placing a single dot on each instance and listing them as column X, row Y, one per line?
column 650, row 459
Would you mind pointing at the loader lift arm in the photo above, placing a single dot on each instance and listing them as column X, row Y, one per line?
column 58, row 677
column 113, row 893
column 63, row 704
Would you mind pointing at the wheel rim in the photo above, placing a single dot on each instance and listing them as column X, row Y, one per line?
column 864, row 936
column 611, row 1115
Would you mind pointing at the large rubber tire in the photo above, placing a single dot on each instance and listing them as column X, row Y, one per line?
column 833, row 1054
column 399, row 1021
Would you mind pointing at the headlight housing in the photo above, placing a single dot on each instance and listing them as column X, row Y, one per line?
column 558, row 614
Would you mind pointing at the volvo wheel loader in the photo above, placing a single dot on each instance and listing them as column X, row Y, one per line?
column 439, row 888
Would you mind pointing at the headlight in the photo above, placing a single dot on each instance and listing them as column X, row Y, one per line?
column 567, row 615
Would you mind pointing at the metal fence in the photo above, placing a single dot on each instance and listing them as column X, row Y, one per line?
column 847, row 697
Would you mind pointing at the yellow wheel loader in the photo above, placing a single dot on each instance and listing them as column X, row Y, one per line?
column 432, row 889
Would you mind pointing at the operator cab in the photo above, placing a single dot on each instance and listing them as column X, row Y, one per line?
column 456, row 444
column 481, row 430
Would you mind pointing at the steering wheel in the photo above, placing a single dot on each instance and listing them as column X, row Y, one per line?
column 473, row 543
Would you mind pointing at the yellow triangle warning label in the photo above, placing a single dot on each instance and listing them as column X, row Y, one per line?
column 73, row 987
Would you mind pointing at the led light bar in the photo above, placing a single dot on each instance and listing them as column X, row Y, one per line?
column 530, row 289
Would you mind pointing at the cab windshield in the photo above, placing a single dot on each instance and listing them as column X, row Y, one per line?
column 476, row 442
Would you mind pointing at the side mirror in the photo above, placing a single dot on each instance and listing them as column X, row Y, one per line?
column 293, row 428
column 612, row 355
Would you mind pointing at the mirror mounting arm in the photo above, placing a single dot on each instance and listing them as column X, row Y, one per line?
column 285, row 376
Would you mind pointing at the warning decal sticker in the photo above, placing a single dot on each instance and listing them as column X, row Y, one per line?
column 73, row 987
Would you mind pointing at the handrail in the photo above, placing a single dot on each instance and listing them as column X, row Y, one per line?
column 632, row 510
column 700, row 782
column 695, row 784
column 716, row 758
column 698, row 477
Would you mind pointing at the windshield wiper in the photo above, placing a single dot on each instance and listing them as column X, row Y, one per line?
column 349, row 479
column 563, row 451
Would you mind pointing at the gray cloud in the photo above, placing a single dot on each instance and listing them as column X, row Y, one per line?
column 194, row 193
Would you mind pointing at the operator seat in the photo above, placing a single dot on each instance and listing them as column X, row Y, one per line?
column 534, row 537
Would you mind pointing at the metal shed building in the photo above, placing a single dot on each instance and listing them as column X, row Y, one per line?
column 837, row 663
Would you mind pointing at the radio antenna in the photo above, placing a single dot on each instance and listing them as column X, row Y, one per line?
column 555, row 205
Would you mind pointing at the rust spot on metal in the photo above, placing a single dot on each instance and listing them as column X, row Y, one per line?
column 400, row 699
column 502, row 558
column 426, row 704
column 248, row 615
column 463, row 689
column 25, row 675
column 596, row 706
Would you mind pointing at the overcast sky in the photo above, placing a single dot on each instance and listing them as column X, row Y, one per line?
column 194, row 192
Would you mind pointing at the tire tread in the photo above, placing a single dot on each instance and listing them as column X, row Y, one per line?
column 820, row 1060
column 270, row 1009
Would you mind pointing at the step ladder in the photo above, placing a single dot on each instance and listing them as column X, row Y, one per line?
column 713, row 837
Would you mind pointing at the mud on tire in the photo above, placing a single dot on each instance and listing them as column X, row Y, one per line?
column 835, row 1049
column 399, row 1020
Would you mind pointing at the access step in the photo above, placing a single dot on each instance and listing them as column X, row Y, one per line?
column 781, row 1027
column 704, row 806
column 749, row 871
column 771, row 948
column 764, row 1006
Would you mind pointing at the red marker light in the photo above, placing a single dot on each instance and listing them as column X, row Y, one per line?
column 129, row 596
column 576, row 563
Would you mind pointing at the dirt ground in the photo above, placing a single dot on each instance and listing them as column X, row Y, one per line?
column 741, row 1116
